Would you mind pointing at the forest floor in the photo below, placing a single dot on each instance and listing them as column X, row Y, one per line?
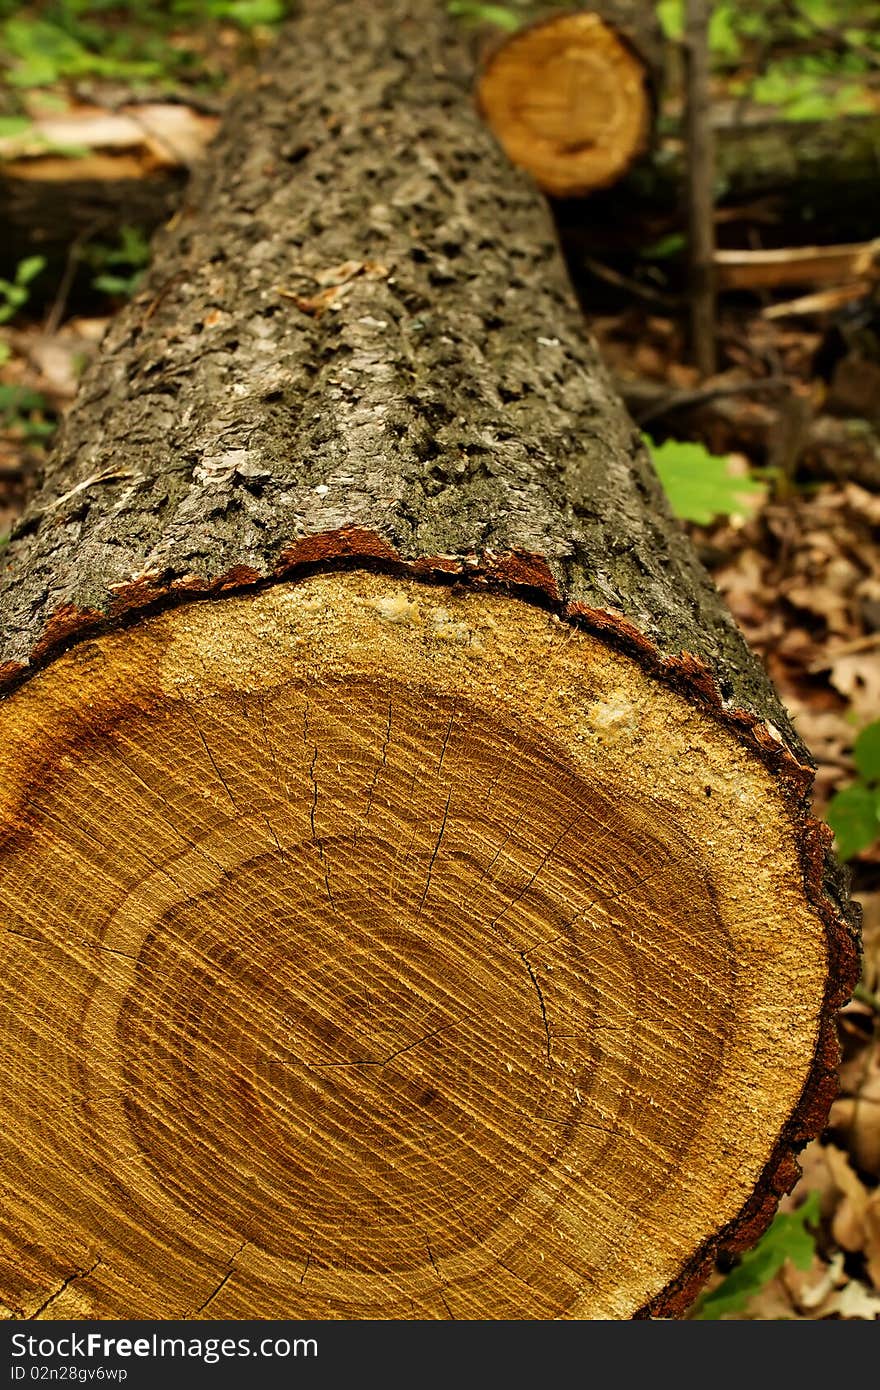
column 801, row 574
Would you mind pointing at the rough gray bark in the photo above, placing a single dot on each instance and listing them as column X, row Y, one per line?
column 700, row 184
column 358, row 345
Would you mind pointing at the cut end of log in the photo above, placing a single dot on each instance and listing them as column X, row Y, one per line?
column 381, row 949
column 569, row 101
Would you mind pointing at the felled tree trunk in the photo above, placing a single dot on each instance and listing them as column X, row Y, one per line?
column 571, row 97
column 411, row 905
column 817, row 182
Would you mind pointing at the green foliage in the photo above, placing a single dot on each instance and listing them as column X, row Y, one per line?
column 118, row 269
column 45, row 43
column 802, row 57
column 14, row 293
column 802, row 96
column 670, row 13
column 673, row 244
column 43, row 52
column 700, row 486
column 787, row 1238
column 13, row 125
column 724, row 34
column 854, row 813
column 249, row 13
column 475, row 12
column 24, row 412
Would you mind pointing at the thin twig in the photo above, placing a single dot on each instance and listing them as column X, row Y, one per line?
column 626, row 282
column 700, row 184
column 56, row 313
column 701, row 395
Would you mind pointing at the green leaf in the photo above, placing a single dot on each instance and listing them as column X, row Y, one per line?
column 19, row 400
column 854, row 816
column 670, row 13
column 29, row 269
column 116, row 284
column 247, row 13
column 43, row 50
column 5, row 351
column 867, row 752
column 476, row 12
column 724, row 41
column 670, row 245
column 13, row 125
column 700, row 486
column 14, row 296
column 787, row 1238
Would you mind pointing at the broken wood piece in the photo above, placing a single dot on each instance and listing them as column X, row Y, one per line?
column 81, row 174
column 795, row 265
column 822, row 302
column 87, row 143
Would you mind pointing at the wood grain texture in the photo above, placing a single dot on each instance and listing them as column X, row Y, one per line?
column 370, row 955
column 570, row 100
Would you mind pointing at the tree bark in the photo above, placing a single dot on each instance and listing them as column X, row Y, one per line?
column 404, row 929
column 700, row 148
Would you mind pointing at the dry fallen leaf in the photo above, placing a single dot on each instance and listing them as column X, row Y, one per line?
column 810, row 1287
column 856, row 1115
column 858, row 678
column 854, row 1300
column 848, row 1225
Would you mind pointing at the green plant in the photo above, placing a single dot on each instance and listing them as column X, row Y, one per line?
column 15, row 293
column 854, row 813
column 56, row 40
column 475, row 12
column 700, row 485
column 42, row 52
column 673, row 244
column 23, row 412
column 787, row 1238
column 725, row 39
column 118, row 269
column 805, row 96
